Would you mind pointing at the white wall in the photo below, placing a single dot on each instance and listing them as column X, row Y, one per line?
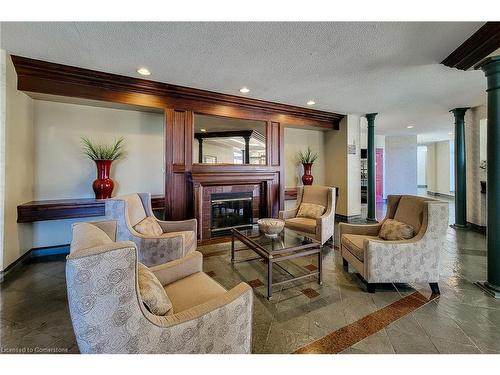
column 62, row 171
column 17, row 163
column 421, row 165
column 224, row 154
column 297, row 140
column 401, row 164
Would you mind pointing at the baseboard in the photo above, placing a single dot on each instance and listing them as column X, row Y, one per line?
column 440, row 194
column 477, row 228
column 346, row 218
column 28, row 256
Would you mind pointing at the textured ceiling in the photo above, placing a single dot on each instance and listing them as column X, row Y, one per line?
column 389, row 68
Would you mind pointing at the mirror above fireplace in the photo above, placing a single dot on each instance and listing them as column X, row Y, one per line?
column 225, row 140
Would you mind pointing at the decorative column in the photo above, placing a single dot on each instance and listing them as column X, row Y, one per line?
column 491, row 68
column 247, row 150
column 370, row 117
column 200, row 150
column 460, row 177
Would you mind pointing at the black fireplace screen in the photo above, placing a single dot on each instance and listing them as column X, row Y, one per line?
column 230, row 210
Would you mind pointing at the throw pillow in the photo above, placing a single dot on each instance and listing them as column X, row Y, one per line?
column 149, row 227
column 310, row 210
column 86, row 235
column 152, row 293
column 393, row 230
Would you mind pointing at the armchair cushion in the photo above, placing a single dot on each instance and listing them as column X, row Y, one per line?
column 302, row 224
column 411, row 211
column 86, row 235
column 310, row 210
column 354, row 243
column 135, row 208
column 149, row 227
column 193, row 290
column 315, row 194
column 393, row 230
column 152, row 293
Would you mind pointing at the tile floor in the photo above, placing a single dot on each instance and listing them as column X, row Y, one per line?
column 34, row 315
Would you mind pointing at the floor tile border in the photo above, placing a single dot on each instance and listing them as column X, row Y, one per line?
column 345, row 337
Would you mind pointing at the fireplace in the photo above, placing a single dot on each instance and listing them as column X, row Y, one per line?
column 230, row 210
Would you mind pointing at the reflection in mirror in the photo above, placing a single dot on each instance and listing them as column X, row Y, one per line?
column 225, row 140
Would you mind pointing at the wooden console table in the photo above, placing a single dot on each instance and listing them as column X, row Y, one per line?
column 70, row 209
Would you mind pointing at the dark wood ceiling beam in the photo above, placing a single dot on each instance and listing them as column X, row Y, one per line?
column 57, row 79
column 483, row 42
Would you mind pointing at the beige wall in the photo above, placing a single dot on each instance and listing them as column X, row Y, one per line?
column 297, row 140
column 476, row 202
column 18, row 158
column 58, row 128
column 343, row 169
column 438, row 168
column 62, row 171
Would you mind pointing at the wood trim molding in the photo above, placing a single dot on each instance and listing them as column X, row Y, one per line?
column 290, row 194
column 70, row 209
column 483, row 42
column 57, row 79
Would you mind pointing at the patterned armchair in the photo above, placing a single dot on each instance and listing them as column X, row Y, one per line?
column 177, row 240
column 402, row 261
column 109, row 316
column 322, row 228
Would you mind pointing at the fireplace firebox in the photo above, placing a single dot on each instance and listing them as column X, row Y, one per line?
column 230, row 210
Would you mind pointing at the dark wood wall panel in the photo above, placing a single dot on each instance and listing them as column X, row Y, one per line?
column 275, row 142
column 179, row 134
column 184, row 181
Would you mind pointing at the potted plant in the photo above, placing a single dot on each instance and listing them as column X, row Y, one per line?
column 103, row 156
column 307, row 159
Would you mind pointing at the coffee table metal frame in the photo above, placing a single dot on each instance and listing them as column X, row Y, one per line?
column 276, row 256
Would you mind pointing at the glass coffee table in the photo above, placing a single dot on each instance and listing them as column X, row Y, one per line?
column 288, row 245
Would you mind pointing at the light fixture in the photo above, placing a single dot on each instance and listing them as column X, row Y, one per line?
column 244, row 90
column 311, row 102
column 410, row 127
column 450, row 133
column 203, row 130
column 143, row 71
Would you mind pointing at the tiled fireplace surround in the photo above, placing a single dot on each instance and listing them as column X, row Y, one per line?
column 206, row 193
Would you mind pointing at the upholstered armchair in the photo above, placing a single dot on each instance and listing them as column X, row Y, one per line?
column 399, row 261
column 108, row 304
column 157, row 241
column 321, row 227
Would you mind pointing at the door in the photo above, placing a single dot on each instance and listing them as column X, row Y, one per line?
column 379, row 174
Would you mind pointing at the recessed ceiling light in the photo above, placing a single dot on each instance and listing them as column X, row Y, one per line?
column 311, row 102
column 143, row 71
column 410, row 127
column 244, row 90
column 203, row 130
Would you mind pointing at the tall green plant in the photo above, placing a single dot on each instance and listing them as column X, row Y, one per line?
column 307, row 157
column 96, row 151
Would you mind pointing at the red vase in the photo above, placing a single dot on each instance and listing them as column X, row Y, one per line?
column 103, row 185
column 307, row 178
